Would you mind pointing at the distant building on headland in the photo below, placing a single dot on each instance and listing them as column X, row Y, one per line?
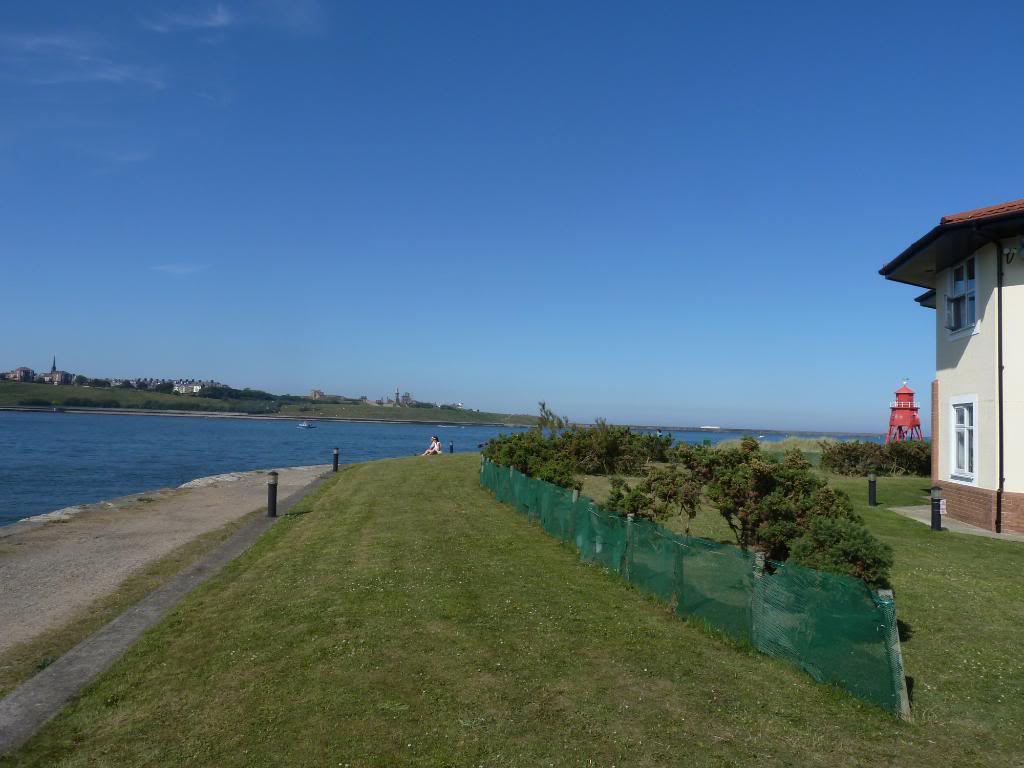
column 194, row 386
column 27, row 375
column 22, row 374
column 316, row 394
column 57, row 377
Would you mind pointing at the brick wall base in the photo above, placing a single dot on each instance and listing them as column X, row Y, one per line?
column 1013, row 512
column 976, row 506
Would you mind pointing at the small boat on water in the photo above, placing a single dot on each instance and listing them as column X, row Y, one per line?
column 306, row 425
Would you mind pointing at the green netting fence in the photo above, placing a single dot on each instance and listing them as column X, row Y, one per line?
column 833, row 627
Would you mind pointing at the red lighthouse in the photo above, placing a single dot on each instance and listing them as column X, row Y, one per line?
column 904, row 423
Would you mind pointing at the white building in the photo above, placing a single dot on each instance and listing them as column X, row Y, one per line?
column 973, row 269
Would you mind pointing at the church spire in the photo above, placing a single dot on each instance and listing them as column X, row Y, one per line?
column 53, row 368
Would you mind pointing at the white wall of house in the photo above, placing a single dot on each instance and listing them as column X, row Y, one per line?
column 1013, row 371
column 965, row 364
column 967, row 370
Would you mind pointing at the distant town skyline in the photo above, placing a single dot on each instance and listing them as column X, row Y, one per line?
column 658, row 217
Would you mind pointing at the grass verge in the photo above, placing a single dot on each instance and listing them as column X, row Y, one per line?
column 406, row 618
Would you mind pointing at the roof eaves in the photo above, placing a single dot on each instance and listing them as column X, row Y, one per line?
column 926, row 299
column 938, row 231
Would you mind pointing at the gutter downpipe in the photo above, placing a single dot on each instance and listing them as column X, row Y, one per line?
column 999, row 373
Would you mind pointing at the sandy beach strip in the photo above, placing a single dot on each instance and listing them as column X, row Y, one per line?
column 53, row 566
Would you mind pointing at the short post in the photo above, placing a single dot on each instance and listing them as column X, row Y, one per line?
column 451, row 446
column 757, row 603
column 884, row 600
column 335, row 469
column 272, row 494
column 872, row 490
column 626, row 566
column 936, row 508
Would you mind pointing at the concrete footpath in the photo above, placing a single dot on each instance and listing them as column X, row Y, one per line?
column 41, row 697
column 54, row 567
column 923, row 514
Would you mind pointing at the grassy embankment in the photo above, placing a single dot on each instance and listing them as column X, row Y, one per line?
column 314, row 409
column 45, row 395
column 15, row 393
column 403, row 617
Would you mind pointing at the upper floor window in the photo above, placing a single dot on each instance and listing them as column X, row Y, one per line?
column 961, row 304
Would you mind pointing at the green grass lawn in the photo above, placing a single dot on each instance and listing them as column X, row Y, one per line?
column 403, row 617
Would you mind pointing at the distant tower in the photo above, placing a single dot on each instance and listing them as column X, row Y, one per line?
column 904, row 423
column 53, row 368
column 398, row 400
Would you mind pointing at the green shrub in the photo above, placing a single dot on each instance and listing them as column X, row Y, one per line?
column 772, row 506
column 843, row 545
column 662, row 493
column 909, row 457
column 856, row 457
column 606, row 449
column 536, row 455
column 36, row 402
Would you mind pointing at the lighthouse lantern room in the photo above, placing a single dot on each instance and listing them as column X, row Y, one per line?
column 904, row 421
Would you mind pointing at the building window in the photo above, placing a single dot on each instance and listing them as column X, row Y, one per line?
column 961, row 303
column 965, row 443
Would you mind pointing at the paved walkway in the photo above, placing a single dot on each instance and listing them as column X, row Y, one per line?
column 53, row 567
column 40, row 698
column 923, row 514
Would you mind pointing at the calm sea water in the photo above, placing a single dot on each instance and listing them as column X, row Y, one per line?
column 54, row 460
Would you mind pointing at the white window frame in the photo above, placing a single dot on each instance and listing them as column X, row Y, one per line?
column 968, row 293
column 971, row 441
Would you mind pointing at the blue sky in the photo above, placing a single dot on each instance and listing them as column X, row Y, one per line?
column 652, row 212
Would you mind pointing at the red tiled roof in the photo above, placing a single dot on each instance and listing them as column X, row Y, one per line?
column 1014, row 206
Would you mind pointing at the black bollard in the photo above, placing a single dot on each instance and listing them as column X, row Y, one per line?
column 335, row 469
column 936, row 508
column 272, row 494
column 872, row 490
column 451, row 446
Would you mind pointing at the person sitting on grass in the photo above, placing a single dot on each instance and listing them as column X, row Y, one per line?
column 435, row 447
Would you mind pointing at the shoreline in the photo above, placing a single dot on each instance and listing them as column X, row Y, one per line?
column 73, row 511
column 255, row 416
column 438, row 422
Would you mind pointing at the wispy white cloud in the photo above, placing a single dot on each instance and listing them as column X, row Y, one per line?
column 296, row 16
column 305, row 17
column 217, row 17
column 55, row 59
column 179, row 269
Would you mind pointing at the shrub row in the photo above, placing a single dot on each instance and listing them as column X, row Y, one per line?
column 780, row 507
column 559, row 457
column 854, row 457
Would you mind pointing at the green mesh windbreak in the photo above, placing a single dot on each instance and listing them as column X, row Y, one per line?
column 833, row 627
column 828, row 625
column 652, row 560
column 718, row 582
